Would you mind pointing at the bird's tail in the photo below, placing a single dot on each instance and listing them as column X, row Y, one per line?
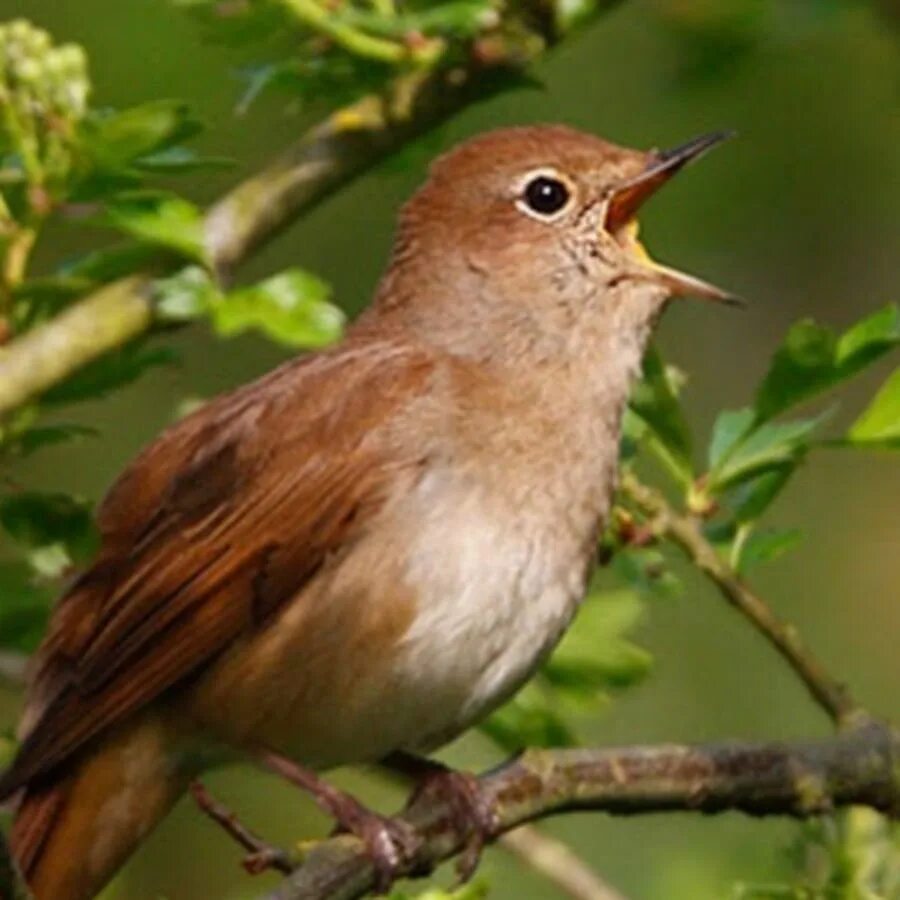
column 74, row 830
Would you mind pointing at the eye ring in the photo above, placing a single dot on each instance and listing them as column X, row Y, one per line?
column 545, row 195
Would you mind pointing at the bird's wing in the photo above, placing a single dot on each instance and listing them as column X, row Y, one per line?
column 217, row 523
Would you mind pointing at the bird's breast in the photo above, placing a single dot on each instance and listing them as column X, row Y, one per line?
column 496, row 588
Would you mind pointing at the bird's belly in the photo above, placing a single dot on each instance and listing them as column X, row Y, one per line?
column 405, row 644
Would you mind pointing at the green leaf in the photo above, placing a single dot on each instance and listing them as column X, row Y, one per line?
column 868, row 340
column 595, row 653
column 37, row 520
column 655, row 401
column 33, row 439
column 117, row 139
column 24, row 607
column 770, row 446
column 114, row 262
column 477, row 889
column 750, row 499
column 879, row 424
column 175, row 160
column 187, row 295
column 528, row 720
column 812, row 360
column 290, row 308
column 767, row 546
column 730, row 426
column 158, row 217
column 110, row 372
column 644, row 570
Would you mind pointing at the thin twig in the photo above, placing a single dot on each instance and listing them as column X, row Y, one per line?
column 858, row 767
column 686, row 532
column 261, row 856
column 558, row 863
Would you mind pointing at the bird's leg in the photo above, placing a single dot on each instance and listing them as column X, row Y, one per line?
column 473, row 813
column 390, row 842
column 260, row 855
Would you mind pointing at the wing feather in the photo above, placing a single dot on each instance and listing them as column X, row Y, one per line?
column 215, row 525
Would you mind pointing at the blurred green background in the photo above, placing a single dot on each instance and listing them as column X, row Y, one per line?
column 800, row 215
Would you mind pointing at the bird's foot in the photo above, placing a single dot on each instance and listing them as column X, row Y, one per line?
column 472, row 811
column 391, row 843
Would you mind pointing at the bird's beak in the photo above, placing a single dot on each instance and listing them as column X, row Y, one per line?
column 628, row 197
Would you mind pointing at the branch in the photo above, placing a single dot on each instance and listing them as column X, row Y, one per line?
column 327, row 157
column 860, row 766
column 558, row 863
column 687, row 533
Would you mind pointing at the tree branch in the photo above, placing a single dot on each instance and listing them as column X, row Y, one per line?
column 803, row 779
column 327, row 157
column 686, row 532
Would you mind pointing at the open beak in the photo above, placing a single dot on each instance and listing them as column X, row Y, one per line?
column 628, row 198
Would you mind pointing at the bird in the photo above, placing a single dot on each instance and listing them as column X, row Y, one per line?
column 361, row 554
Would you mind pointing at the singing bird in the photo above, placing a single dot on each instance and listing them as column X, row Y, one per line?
column 367, row 550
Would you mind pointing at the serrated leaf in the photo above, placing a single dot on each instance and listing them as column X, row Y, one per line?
column 868, row 340
column 730, row 426
column 879, row 423
column 750, row 499
column 812, row 360
column 115, row 140
column 291, row 308
column 38, row 520
column 772, row 445
column 767, row 546
column 654, row 401
column 110, row 372
column 158, row 217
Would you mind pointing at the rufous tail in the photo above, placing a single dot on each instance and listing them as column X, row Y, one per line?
column 74, row 830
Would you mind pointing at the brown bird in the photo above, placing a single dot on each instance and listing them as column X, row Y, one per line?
column 364, row 552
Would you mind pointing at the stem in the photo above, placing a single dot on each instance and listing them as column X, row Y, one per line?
column 786, row 779
column 558, row 863
column 357, row 42
column 686, row 532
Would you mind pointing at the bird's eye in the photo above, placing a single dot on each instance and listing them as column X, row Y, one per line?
column 546, row 195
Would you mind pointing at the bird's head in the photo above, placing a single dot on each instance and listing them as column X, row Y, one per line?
column 538, row 225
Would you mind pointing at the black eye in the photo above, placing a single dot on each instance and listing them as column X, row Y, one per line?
column 546, row 195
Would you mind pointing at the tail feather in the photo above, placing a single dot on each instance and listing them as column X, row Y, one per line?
column 37, row 810
column 74, row 830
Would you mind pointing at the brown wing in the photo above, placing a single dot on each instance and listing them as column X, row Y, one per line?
column 215, row 524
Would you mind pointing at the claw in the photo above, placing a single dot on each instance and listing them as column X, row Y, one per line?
column 390, row 843
column 473, row 813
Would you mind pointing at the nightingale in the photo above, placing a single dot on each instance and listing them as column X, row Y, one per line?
column 367, row 550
